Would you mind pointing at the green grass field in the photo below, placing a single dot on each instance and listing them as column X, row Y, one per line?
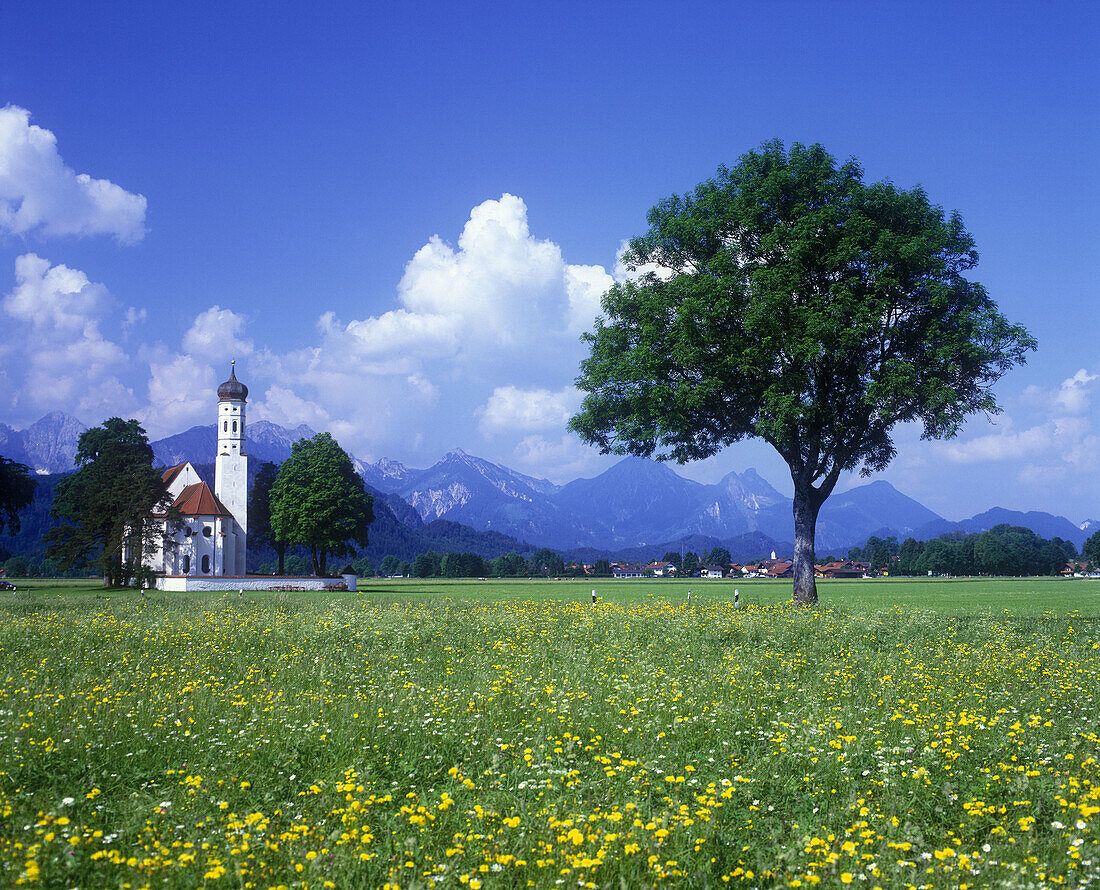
column 510, row 734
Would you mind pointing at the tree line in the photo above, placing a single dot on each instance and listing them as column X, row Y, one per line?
column 1002, row 550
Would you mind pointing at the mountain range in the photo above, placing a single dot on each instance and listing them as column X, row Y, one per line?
column 637, row 504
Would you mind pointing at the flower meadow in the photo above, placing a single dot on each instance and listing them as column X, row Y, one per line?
column 344, row 740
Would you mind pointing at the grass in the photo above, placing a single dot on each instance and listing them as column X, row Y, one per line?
column 502, row 734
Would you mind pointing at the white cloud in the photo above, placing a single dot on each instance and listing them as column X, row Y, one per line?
column 498, row 294
column 560, row 460
column 585, row 286
column 1041, row 476
column 399, row 340
column 285, row 407
column 39, row 192
column 54, row 298
column 1006, row 445
column 1074, row 395
column 1060, row 447
column 55, row 349
column 133, row 317
column 180, row 394
column 512, row 408
column 623, row 272
column 215, row 335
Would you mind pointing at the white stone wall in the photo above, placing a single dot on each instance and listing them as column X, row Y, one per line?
column 251, row 582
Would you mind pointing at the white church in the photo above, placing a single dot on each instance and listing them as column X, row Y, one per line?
column 211, row 540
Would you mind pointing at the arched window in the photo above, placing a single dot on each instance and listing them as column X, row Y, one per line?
column 207, row 531
column 234, row 426
column 186, row 563
column 225, row 426
column 206, row 564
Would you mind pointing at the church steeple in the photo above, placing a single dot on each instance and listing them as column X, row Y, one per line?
column 233, row 388
column 231, row 470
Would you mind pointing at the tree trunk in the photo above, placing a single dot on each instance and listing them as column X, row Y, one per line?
column 807, row 502
column 280, row 548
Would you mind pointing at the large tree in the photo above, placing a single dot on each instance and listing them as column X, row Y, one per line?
column 109, row 502
column 318, row 501
column 788, row 300
column 16, row 493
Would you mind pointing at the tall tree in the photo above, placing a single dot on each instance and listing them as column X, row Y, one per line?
column 259, row 511
column 509, row 565
column 428, row 565
column 718, row 556
column 318, row 501
column 545, row 561
column 690, row 563
column 787, row 300
column 109, row 502
column 16, row 493
column 1090, row 550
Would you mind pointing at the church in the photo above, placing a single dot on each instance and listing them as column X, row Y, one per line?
column 211, row 540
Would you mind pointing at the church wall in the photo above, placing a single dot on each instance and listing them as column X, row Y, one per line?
column 214, row 546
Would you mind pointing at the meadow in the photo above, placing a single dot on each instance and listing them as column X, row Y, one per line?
column 512, row 734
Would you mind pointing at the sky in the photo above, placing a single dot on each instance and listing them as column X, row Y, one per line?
column 399, row 220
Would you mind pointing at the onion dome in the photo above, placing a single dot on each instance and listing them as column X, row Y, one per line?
column 233, row 388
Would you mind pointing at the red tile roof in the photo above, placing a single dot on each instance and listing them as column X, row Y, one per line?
column 171, row 473
column 199, row 500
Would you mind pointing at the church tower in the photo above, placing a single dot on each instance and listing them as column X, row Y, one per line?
column 231, row 472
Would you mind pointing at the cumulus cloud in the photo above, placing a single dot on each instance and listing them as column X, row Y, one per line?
column 1075, row 393
column 1060, row 443
column 38, row 192
column 585, row 287
column 56, row 350
column 285, row 407
column 179, row 392
column 512, row 408
column 54, row 298
column 497, row 293
column 216, row 335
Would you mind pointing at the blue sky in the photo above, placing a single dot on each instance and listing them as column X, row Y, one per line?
column 398, row 220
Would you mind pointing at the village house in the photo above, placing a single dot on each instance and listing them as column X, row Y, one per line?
column 845, row 569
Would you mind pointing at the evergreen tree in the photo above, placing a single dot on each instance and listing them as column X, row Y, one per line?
column 259, row 511
column 108, row 503
column 16, row 493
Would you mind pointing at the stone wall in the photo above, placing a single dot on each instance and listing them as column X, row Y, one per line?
column 254, row 582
